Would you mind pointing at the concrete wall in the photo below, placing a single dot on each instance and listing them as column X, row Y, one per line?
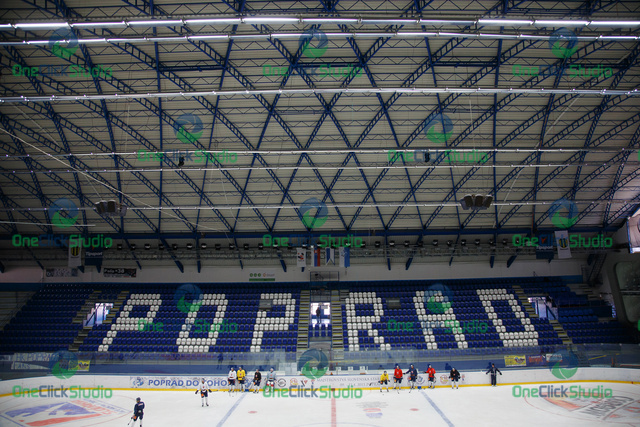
column 428, row 271
column 368, row 380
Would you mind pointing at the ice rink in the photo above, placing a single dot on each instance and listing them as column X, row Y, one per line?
column 467, row 406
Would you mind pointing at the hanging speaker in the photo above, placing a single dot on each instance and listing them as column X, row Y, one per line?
column 487, row 201
column 477, row 201
column 467, row 202
column 111, row 207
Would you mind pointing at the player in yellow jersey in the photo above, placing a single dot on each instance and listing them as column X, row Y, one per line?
column 384, row 379
column 241, row 375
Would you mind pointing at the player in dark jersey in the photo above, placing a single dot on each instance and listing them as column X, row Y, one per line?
column 494, row 374
column 413, row 377
column 257, row 379
column 454, row 376
column 138, row 412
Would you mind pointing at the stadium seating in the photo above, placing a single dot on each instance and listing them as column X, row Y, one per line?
column 221, row 322
column 471, row 316
column 45, row 322
column 465, row 314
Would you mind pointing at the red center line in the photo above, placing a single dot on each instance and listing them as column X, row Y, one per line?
column 333, row 412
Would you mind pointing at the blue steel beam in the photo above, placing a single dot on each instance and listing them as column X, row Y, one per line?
column 520, row 129
column 147, row 60
column 485, row 71
column 272, row 113
column 327, row 112
column 59, row 180
column 616, row 180
column 11, row 205
column 46, row 143
column 365, row 66
column 30, row 165
column 513, row 51
column 98, row 109
column 575, row 157
column 11, row 227
column 607, row 194
column 178, row 81
column 150, row 147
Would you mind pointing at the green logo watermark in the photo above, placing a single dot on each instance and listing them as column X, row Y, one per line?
column 63, row 43
column 64, row 213
column 439, row 129
column 188, row 298
column 559, row 220
column 309, row 217
column 438, row 298
column 573, row 392
column 188, row 128
column 312, row 49
column 323, row 392
column 314, row 364
column 563, row 364
column 63, row 364
column 563, row 43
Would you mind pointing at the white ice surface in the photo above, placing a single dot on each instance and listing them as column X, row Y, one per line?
column 467, row 406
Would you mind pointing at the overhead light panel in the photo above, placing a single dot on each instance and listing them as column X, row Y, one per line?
column 157, row 22
column 98, row 24
column 563, row 23
column 42, row 25
column 214, row 21
column 501, row 22
column 267, row 20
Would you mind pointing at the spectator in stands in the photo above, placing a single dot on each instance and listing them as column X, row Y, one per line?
column 318, row 313
column 494, row 371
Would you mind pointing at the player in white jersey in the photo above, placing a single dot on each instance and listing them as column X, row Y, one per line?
column 204, row 393
column 271, row 380
column 232, row 380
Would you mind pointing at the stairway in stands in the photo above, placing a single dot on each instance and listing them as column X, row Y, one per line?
column 337, row 300
column 304, row 309
column 557, row 327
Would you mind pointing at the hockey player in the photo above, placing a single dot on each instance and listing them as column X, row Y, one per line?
column 494, row 371
column 257, row 379
column 271, row 380
column 204, row 393
column 397, row 378
column 413, row 376
column 232, row 380
column 384, row 379
column 241, row 375
column 454, row 376
column 138, row 412
column 432, row 377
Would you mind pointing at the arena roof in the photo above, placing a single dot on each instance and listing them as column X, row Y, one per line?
column 387, row 113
